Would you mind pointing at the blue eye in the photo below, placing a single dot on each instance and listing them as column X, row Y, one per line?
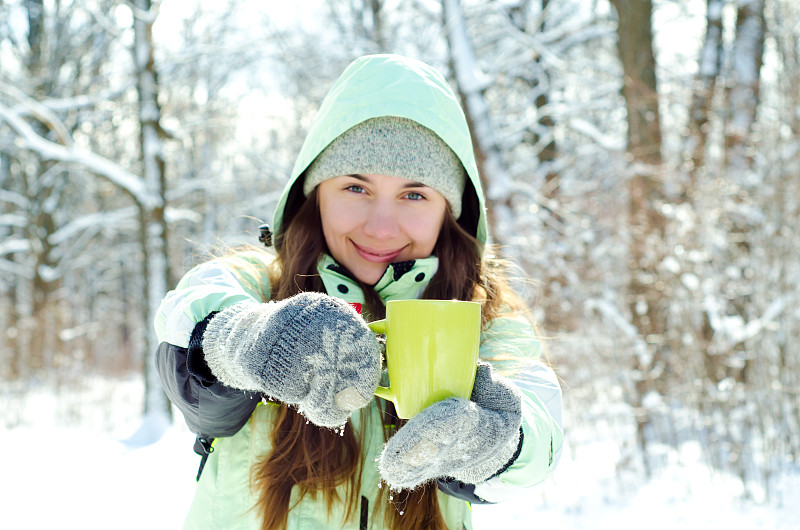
column 355, row 188
column 414, row 196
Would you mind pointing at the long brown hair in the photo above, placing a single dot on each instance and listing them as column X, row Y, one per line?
column 316, row 459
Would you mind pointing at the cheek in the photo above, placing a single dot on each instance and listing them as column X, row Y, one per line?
column 332, row 228
column 424, row 229
column 329, row 234
column 333, row 218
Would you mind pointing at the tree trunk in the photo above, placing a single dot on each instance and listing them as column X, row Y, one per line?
column 548, row 153
column 647, row 224
column 748, row 51
column 635, row 46
column 153, row 229
column 708, row 71
column 496, row 179
column 541, row 134
column 376, row 24
column 786, row 34
column 43, row 183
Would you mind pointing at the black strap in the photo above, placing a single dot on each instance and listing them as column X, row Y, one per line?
column 266, row 235
column 364, row 513
column 202, row 446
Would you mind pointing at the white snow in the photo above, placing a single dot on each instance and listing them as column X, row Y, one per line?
column 80, row 456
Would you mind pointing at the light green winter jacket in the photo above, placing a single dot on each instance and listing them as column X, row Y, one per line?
column 372, row 86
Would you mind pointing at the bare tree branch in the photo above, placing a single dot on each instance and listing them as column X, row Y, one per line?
column 40, row 112
column 103, row 167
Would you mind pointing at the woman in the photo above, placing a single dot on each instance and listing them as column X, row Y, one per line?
column 271, row 355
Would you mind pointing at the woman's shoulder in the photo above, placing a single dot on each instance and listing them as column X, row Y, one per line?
column 250, row 267
column 245, row 259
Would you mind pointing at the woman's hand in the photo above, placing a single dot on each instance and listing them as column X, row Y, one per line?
column 311, row 350
column 468, row 440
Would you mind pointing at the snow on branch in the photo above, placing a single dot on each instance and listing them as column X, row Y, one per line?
column 82, row 101
column 730, row 330
column 13, row 219
column 613, row 315
column 12, row 197
column 602, row 139
column 471, row 83
column 40, row 112
column 124, row 179
column 99, row 220
column 174, row 215
column 12, row 268
column 148, row 16
column 469, row 76
column 13, row 246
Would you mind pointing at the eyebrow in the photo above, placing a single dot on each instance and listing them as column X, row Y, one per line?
column 412, row 184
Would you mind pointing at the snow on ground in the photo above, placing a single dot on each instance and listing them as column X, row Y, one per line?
column 78, row 458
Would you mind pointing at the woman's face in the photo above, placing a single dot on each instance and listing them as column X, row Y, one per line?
column 372, row 220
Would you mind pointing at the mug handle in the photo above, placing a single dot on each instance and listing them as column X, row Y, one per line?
column 379, row 327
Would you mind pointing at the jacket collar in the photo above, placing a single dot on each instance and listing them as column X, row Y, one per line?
column 401, row 281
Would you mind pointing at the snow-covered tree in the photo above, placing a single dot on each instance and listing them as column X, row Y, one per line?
column 152, row 203
column 48, row 90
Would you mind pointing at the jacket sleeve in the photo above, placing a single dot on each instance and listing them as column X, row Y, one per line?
column 209, row 287
column 511, row 346
column 210, row 408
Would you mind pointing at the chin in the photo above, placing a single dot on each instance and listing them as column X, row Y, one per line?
column 369, row 275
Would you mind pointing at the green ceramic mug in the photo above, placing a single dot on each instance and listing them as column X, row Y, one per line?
column 431, row 351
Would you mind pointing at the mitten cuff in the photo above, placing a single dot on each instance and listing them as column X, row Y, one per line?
column 514, row 456
column 195, row 357
column 500, row 441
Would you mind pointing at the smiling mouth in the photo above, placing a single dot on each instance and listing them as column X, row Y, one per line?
column 377, row 256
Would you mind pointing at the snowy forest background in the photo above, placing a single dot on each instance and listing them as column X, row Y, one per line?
column 642, row 161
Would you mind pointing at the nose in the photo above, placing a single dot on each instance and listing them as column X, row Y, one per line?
column 381, row 221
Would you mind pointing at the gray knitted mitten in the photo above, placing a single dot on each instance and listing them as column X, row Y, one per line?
column 311, row 350
column 468, row 440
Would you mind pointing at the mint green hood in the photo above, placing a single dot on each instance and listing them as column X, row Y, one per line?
column 390, row 85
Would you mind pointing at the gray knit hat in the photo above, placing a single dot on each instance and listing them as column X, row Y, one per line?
column 390, row 145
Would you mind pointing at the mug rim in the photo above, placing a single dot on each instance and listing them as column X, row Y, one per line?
column 430, row 300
